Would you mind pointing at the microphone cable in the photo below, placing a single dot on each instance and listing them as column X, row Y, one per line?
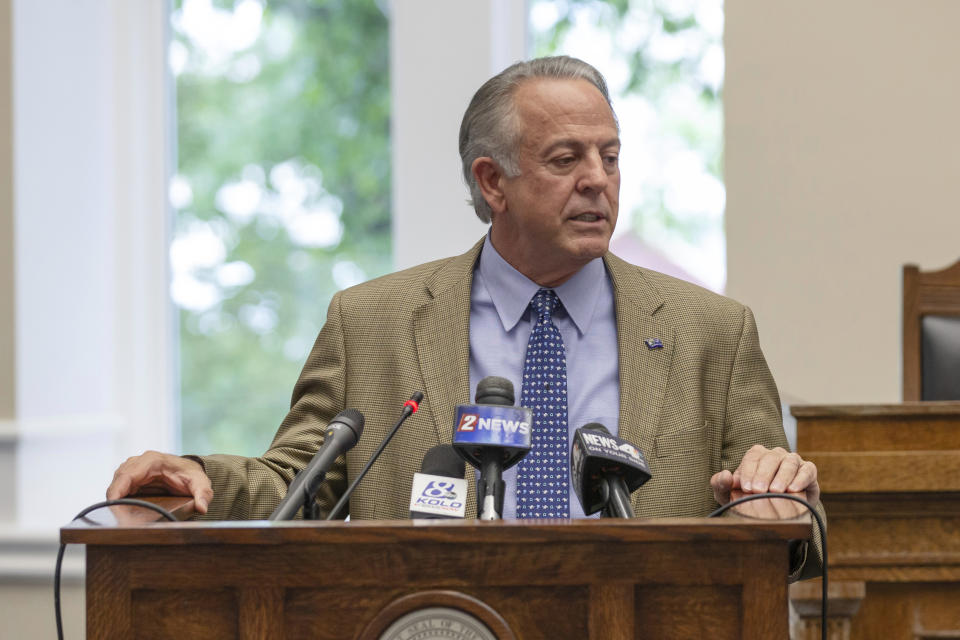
column 63, row 546
column 823, row 539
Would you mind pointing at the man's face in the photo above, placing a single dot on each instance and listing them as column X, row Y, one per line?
column 559, row 213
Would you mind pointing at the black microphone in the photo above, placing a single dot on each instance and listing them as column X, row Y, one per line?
column 605, row 470
column 439, row 490
column 492, row 435
column 339, row 437
column 409, row 408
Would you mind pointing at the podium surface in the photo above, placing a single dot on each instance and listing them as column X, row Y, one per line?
column 406, row 580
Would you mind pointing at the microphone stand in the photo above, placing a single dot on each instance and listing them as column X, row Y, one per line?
column 614, row 504
column 490, row 486
column 311, row 510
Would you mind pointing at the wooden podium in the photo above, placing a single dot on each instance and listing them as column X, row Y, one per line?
column 890, row 482
column 421, row 580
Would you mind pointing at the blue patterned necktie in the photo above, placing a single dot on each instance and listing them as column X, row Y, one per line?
column 543, row 477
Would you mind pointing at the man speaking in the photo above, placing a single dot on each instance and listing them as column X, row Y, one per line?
column 584, row 336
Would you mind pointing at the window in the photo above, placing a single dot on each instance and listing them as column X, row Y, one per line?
column 281, row 193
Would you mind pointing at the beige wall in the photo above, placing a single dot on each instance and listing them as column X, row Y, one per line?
column 842, row 164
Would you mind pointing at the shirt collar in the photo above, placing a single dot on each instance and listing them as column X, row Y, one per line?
column 511, row 291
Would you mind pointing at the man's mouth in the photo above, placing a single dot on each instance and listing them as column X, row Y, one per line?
column 588, row 217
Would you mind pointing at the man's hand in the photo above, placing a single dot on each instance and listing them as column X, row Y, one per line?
column 762, row 470
column 179, row 476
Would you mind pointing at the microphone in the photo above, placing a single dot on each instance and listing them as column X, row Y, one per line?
column 492, row 435
column 409, row 408
column 439, row 490
column 605, row 471
column 340, row 436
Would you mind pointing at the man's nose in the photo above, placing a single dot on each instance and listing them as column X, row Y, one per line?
column 594, row 176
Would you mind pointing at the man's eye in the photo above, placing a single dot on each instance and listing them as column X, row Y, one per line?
column 564, row 161
column 612, row 160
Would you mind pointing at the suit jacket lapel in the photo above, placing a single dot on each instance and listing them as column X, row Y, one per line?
column 643, row 369
column 442, row 331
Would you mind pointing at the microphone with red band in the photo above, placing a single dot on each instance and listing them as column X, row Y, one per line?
column 409, row 408
column 605, row 470
column 413, row 403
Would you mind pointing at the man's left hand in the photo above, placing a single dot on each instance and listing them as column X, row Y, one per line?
column 765, row 470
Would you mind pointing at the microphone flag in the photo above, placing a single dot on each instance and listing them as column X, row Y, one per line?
column 438, row 496
column 478, row 427
column 597, row 454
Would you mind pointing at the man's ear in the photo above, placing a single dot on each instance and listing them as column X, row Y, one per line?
column 489, row 177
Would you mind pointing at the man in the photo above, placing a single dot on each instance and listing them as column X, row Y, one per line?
column 673, row 368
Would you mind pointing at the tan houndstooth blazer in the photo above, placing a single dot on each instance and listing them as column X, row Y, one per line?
column 693, row 407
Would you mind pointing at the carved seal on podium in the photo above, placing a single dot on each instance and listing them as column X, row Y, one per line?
column 437, row 615
column 437, row 623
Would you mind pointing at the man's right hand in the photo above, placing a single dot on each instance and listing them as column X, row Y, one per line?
column 179, row 476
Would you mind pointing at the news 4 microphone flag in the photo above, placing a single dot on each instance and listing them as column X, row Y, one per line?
column 595, row 454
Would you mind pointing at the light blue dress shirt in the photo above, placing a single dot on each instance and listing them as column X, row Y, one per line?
column 500, row 326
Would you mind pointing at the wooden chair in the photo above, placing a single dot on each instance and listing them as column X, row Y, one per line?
column 931, row 333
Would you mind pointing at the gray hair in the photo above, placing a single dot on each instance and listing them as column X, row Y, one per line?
column 490, row 127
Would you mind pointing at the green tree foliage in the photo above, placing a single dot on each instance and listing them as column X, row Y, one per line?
column 283, row 154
